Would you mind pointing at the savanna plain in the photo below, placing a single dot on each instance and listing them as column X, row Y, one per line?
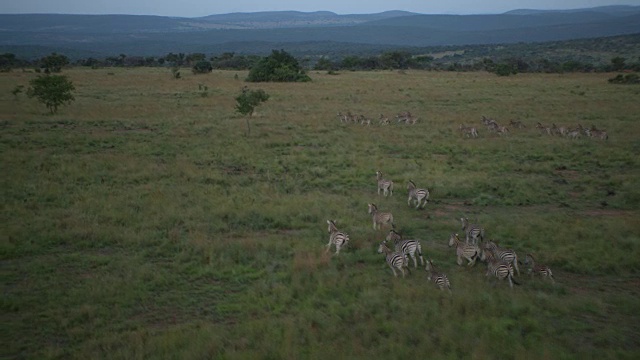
column 145, row 221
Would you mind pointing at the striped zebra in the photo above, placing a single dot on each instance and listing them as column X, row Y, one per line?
column 517, row 124
column 380, row 218
column 395, row 259
column 468, row 131
column 336, row 237
column 383, row 184
column 441, row 280
column 407, row 247
column 472, row 231
column 500, row 269
column 540, row 269
column 464, row 250
column 419, row 195
column 506, row 255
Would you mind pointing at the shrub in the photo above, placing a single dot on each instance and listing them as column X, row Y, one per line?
column 202, row 67
column 625, row 79
column 278, row 67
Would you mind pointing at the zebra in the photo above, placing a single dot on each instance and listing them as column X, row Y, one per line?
column 517, row 124
column 380, row 218
column 383, row 120
column 468, row 131
column 502, row 130
column 438, row 278
column 538, row 268
column 500, row 269
column 506, row 255
column 385, row 185
column 336, row 237
column 464, row 250
column 407, row 247
column 472, row 231
column 418, row 194
column 543, row 128
column 395, row 259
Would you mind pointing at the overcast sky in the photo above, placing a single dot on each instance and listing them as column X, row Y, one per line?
column 195, row 8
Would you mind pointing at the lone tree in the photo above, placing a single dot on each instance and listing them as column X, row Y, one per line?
column 247, row 101
column 278, row 67
column 52, row 91
column 53, row 63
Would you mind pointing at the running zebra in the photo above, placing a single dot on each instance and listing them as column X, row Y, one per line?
column 464, row 250
column 517, row 124
column 543, row 270
column 500, row 269
column 380, row 218
column 336, row 237
column 438, row 278
column 395, row 259
column 468, row 131
column 419, row 195
column 506, row 255
column 472, row 231
column 385, row 185
column 407, row 247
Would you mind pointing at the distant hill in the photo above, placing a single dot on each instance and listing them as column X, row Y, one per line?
column 251, row 33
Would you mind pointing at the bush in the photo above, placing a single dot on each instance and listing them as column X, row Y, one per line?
column 202, row 67
column 52, row 91
column 278, row 67
column 625, row 79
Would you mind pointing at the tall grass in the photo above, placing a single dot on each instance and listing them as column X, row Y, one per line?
column 141, row 222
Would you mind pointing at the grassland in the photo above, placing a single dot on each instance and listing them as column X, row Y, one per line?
column 141, row 221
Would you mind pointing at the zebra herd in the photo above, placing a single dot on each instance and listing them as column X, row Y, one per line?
column 404, row 117
column 397, row 251
column 493, row 126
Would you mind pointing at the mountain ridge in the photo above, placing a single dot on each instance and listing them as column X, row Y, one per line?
column 146, row 35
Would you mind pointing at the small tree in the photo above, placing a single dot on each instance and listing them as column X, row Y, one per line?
column 52, row 91
column 53, row 63
column 247, row 101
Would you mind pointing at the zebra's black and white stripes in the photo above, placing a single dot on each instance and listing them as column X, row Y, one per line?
column 336, row 237
column 441, row 280
column 539, row 269
column 384, row 185
column 408, row 247
column 464, row 251
column 380, row 218
column 395, row 259
column 420, row 196
column 500, row 269
column 506, row 255
column 472, row 231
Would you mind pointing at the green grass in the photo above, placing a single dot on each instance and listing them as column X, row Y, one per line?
column 141, row 222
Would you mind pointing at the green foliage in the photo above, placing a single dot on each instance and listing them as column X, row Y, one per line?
column 278, row 67
column 53, row 63
column 247, row 101
column 175, row 72
column 52, row 91
column 202, row 67
column 628, row 79
column 504, row 70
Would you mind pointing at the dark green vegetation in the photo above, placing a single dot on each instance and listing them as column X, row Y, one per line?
column 51, row 90
column 142, row 223
column 280, row 66
column 310, row 34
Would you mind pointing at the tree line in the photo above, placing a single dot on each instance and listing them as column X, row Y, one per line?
column 389, row 60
